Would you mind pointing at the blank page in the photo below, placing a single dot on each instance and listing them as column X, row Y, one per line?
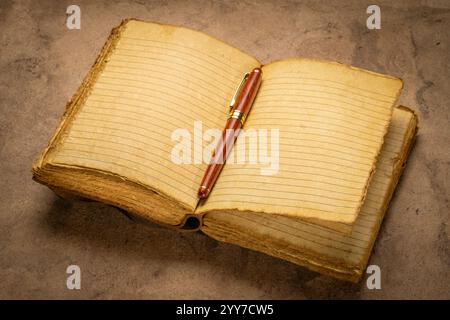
column 314, row 246
column 157, row 79
column 331, row 120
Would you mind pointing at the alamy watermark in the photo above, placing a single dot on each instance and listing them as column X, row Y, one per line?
column 254, row 146
column 73, row 281
column 374, row 279
column 374, row 20
column 73, row 21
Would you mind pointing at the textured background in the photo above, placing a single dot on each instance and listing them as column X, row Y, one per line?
column 42, row 64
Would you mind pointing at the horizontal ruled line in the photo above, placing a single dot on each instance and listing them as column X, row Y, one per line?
column 185, row 47
column 160, row 63
column 334, row 122
column 284, row 205
column 282, row 95
column 143, row 115
column 283, row 143
column 322, row 161
column 195, row 60
column 233, row 181
column 301, row 88
column 232, row 187
column 209, row 71
column 332, row 81
column 253, row 123
column 301, row 166
column 96, row 94
column 308, row 145
column 272, row 82
column 353, row 159
column 129, row 105
column 61, row 154
column 232, row 169
column 101, row 82
column 139, row 120
column 334, row 109
column 93, row 138
column 207, row 96
column 303, row 132
column 156, row 163
column 222, row 98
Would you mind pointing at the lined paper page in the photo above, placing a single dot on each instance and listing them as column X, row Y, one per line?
column 158, row 79
column 300, row 241
column 331, row 120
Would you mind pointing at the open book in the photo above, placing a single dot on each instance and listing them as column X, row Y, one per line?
column 339, row 148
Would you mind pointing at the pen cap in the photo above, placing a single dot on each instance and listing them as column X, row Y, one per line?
column 248, row 93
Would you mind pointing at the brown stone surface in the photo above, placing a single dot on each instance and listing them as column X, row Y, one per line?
column 42, row 63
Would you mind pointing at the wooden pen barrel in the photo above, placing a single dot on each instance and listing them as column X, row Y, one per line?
column 234, row 123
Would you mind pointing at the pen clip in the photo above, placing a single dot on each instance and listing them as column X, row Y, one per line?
column 238, row 91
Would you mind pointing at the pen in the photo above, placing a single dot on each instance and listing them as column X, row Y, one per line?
column 239, row 109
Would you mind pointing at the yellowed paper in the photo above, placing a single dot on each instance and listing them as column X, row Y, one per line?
column 331, row 120
column 316, row 247
column 158, row 79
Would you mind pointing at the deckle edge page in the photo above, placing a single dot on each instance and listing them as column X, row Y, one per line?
column 330, row 116
column 321, row 249
column 137, row 86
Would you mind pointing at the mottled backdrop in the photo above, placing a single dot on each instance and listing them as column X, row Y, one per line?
column 41, row 65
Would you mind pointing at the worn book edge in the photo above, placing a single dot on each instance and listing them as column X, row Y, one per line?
column 337, row 268
column 72, row 108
